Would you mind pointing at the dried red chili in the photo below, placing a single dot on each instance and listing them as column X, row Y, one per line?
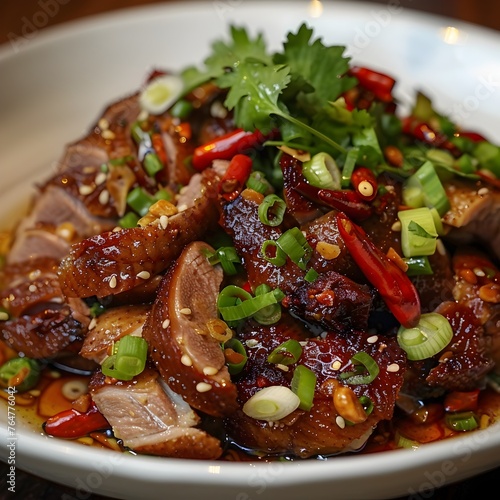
column 379, row 83
column 365, row 183
column 394, row 286
column 235, row 177
column 74, row 424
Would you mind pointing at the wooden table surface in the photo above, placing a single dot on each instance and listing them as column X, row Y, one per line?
column 13, row 15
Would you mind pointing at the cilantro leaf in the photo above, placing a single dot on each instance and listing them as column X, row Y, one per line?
column 317, row 69
column 418, row 230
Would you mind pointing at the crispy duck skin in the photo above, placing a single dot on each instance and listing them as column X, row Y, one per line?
column 187, row 356
column 317, row 431
column 116, row 261
column 150, row 419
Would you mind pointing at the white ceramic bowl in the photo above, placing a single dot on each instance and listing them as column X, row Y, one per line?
column 53, row 86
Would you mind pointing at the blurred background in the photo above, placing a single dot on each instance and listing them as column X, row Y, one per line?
column 15, row 15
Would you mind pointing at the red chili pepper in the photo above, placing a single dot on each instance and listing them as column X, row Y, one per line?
column 235, row 177
column 461, row 401
column 346, row 201
column 159, row 147
column 473, row 136
column 226, row 146
column 394, row 286
column 425, row 133
column 365, row 183
column 378, row 83
column 74, row 424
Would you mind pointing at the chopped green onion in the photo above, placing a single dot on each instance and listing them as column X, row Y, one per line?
column 140, row 201
column 311, row 275
column 295, row 245
column 432, row 334
column 258, row 182
column 488, row 156
column 363, row 363
column 181, row 109
column 418, row 232
column 367, row 404
column 462, row 421
column 349, row 165
column 235, row 345
column 227, row 258
column 321, row 171
column 279, row 257
column 304, row 385
column 129, row 220
column 138, row 134
column 4, row 314
column 286, row 353
column 425, row 187
column 161, row 93
column 268, row 315
column 152, row 164
column 271, row 210
column 96, row 309
column 404, row 442
column 440, row 157
column 128, row 358
column 271, row 403
column 418, row 266
column 236, row 304
column 21, row 373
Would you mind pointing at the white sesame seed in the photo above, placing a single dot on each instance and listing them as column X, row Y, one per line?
column 182, row 207
column 85, row 189
column 100, row 178
column 164, row 221
column 479, row 272
column 336, row 365
column 393, row 367
column 108, row 134
column 186, row 360
column 483, row 191
column 203, row 387
column 103, row 124
column 3, row 316
column 165, row 324
column 372, row 339
column 340, row 422
column 210, row 370
column 396, row 226
column 440, row 247
column 104, row 197
column 112, row 282
column 92, row 324
column 251, row 342
column 389, row 187
column 186, row 311
column 282, row 367
column 145, row 275
column 32, row 288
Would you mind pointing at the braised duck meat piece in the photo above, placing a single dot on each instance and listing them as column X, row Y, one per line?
column 149, row 418
column 116, row 261
column 322, row 430
column 40, row 323
column 332, row 302
column 474, row 215
column 111, row 326
column 184, row 333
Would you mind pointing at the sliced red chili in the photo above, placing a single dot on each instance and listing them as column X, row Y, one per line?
column 473, row 136
column 461, row 401
column 425, row 133
column 365, row 183
column 379, row 83
column 235, row 177
column 394, row 286
column 74, row 424
column 346, row 201
column 226, row 146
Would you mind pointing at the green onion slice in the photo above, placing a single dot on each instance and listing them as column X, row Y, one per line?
column 271, row 403
column 152, row 164
column 321, row 171
column 418, row 266
column 366, row 370
column 227, row 257
column 432, row 334
column 304, row 385
column 268, row 315
column 278, row 257
column 140, row 201
column 418, row 232
column 258, row 182
column 271, row 210
column 128, row 360
column 235, row 345
column 286, row 353
column 295, row 245
column 462, row 421
column 21, row 373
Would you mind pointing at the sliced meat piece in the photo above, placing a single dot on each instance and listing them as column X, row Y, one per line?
column 332, row 302
column 149, row 418
column 318, row 431
column 37, row 236
column 474, row 216
column 117, row 261
column 177, row 331
column 110, row 326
